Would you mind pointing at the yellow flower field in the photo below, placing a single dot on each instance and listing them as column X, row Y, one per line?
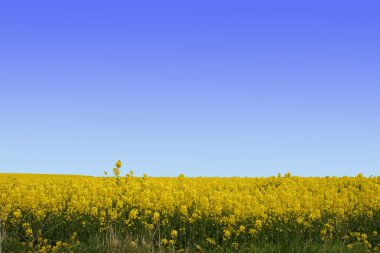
column 54, row 213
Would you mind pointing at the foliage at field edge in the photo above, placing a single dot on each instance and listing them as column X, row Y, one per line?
column 53, row 213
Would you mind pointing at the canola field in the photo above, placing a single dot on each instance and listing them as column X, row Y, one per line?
column 54, row 213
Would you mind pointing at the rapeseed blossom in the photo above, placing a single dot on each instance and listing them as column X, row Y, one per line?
column 222, row 211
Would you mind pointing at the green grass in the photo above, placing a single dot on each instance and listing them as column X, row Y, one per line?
column 100, row 245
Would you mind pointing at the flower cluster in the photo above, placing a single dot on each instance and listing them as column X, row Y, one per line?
column 50, row 212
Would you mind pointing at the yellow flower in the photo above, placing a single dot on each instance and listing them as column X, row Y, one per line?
column 174, row 233
column 116, row 171
column 252, row 232
column 29, row 232
column 118, row 164
column 211, row 241
column 157, row 206
column 184, row 210
column 17, row 214
column 133, row 214
column 258, row 224
column 226, row 234
column 156, row 217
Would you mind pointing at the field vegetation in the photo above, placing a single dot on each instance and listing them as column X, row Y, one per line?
column 56, row 213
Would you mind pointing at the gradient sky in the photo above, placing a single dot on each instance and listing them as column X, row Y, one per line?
column 204, row 88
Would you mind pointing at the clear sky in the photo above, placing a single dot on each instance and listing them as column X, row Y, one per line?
column 204, row 88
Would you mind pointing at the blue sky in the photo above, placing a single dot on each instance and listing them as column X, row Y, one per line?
column 204, row 88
